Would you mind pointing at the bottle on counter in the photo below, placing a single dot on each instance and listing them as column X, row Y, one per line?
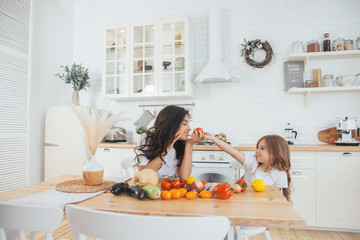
column 326, row 43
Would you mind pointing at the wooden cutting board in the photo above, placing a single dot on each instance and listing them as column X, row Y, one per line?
column 330, row 135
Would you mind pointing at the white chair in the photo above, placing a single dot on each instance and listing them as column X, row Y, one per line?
column 244, row 232
column 127, row 164
column 111, row 226
column 16, row 219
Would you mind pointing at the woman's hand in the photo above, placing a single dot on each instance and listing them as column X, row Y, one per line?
column 177, row 136
column 197, row 136
column 209, row 136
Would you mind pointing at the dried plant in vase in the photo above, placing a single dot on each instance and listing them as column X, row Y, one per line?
column 96, row 124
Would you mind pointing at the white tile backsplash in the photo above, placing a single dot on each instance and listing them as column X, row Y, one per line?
column 258, row 104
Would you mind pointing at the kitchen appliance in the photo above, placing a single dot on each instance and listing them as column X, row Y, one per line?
column 65, row 150
column 117, row 134
column 345, row 128
column 215, row 70
column 214, row 166
column 290, row 134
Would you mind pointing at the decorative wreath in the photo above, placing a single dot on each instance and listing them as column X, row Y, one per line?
column 250, row 47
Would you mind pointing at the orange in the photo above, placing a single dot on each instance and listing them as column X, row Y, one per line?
column 183, row 192
column 175, row 193
column 189, row 180
column 165, row 195
column 205, row 194
column 191, row 195
column 258, row 185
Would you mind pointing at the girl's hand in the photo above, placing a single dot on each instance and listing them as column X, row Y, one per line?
column 197, row 136
column 209, row 136
column 177, row 136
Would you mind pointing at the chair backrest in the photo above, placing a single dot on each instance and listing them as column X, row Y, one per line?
column 22, row 218
column 128, row 165
column 109, row 226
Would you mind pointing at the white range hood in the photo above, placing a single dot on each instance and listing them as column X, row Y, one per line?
column 215, row 70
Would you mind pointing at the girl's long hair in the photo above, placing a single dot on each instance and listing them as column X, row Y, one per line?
column 162, row 134
column 279, row 154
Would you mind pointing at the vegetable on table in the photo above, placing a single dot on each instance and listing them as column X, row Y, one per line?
column 205, row 194
column 152, row 192
column 258, row 185
column 135, row 191
column 119, row 188
column 196, row 186
column 146, row 177
column 223, row 191
column 191, row 195
column 166, row 195
column 235, row 187
column 243, row 184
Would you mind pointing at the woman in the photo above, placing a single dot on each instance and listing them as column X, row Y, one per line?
column 166, row 147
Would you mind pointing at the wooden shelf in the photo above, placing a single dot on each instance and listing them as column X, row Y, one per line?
column 324, row 89
column 325, row 55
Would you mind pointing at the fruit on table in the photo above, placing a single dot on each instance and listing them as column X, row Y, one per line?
column 235, row 187
column 205, row 194
column 119, row 188
column 242, row 183
column 223, row 191
column 152, row 192
column 183, row 192
column 175, row 184
column 165, row 185
column 182, row 182
column 146, row 177
column 166, row 195
column 189, row 180
column 191, row 195
column 258, row 185
column 175, row 193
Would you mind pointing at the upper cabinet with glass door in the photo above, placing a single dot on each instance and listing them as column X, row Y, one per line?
column 115, row 83
column 156, row 60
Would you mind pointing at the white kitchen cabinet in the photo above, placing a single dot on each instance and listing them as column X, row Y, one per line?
column 303, row 177
column 338, row 190
column 149, row 58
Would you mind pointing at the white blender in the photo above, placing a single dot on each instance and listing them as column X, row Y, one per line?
column 345, row 128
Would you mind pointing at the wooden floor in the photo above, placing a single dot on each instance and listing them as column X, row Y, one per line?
column 64, row 232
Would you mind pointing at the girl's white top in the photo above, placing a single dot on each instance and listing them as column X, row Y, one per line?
column 167, row 168
column 273, row 177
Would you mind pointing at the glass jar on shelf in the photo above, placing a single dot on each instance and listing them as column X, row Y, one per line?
column 349, row 44
column 358, row 43
column 326, row 43
column 313, row 46
column 328, row 80
column 339, row 44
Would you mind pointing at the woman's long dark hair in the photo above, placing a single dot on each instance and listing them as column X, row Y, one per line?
column 162, row 134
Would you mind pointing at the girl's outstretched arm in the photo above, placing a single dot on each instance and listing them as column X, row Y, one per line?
column 239, row 156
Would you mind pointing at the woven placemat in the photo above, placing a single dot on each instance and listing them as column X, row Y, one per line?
column 78, row 186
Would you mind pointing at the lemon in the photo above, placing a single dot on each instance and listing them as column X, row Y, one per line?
column 189, row 180
column 258, row 185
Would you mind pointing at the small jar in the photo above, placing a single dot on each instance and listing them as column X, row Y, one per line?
column 339, row 44
column 349, row 44
column 328, row 80
column 358, row 43
column 297, row 47
column 313, row 46
column 309, row 83
column 326, row 43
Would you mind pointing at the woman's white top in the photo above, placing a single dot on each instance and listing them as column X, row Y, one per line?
column 273, row 177
column 167, row 168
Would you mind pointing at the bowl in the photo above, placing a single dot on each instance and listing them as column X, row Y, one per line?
column 345, row 80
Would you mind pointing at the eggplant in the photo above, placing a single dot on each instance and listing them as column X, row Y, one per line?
column 119, row 188
column 135, row 191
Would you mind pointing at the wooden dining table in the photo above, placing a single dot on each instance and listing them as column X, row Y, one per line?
column 268, row 208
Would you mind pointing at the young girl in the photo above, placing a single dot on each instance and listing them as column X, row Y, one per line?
column 166, row 148
column 271, row 162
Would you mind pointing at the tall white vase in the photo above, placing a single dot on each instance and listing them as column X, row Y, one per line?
column 93, row 172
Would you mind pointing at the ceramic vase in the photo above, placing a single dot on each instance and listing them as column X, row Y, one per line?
column 93, row 172
column 75, row 98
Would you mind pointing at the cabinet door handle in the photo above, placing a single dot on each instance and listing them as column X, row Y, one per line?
column 106, row 150
column 346, row 154
column 296, row 172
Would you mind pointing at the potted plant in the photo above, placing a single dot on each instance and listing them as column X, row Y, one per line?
column 78, row 76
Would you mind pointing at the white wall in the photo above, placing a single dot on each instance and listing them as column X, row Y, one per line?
column 257, row 105
column 52, row 46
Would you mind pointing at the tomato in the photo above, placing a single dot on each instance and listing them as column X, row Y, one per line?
column 221, row 186
column 205, row 194
column 165, row 195
column 176, row 184
column 191, row 195
column 167, row 180
column 199, row 130
column 182, row 182
column 224, row 194
column 165, row 186
column 175, row 193
column 183, row 192
column 243, row 184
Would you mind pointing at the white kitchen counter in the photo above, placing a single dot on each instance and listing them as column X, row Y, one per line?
column 251, row 147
